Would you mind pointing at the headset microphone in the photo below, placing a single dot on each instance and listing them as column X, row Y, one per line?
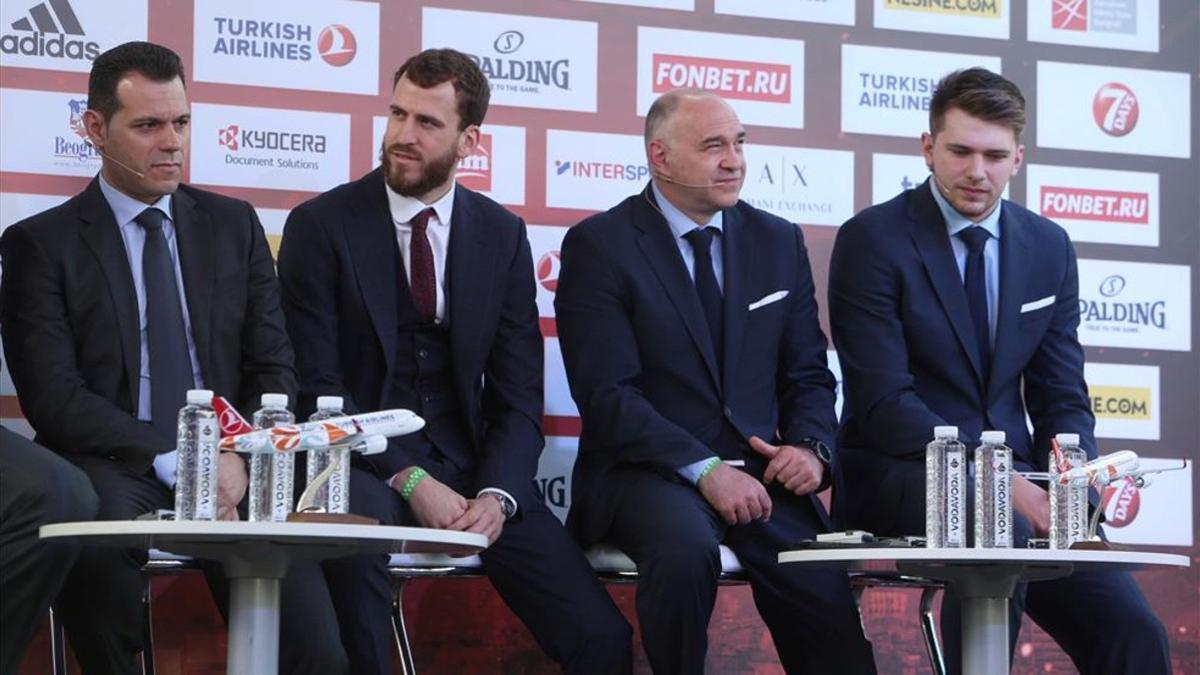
column 668, row 179
column 114, row 160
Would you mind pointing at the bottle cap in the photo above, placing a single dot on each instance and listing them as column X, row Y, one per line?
column 199, row 397
column 274, row 400
column 329, row 403
column 992, row 437
column 1067, row 439
column 945, row 432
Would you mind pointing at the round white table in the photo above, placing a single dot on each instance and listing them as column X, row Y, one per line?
column 985, row 579
column 256, row 557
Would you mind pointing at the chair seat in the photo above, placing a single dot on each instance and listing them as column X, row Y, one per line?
column 609, row 559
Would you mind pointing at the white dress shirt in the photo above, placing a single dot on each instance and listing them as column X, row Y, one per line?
column 957, row 222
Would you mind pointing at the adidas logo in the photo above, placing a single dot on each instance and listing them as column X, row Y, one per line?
column 45, row 31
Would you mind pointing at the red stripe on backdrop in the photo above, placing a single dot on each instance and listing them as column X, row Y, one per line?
column 549, row 326
column 561, row 425
column 10, row 407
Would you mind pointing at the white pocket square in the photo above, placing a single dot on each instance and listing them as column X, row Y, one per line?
column 1038, row 304
column 767, row 299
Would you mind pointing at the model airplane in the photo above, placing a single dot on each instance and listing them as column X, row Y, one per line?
column 365, row 433
column 1099, row 472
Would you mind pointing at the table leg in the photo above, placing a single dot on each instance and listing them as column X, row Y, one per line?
column 985, row 635
column 253, row 626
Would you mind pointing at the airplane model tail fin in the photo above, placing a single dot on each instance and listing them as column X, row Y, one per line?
column 232, row 422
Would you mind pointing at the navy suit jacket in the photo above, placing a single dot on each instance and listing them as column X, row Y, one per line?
column 339, row 264
column 902, row 328
column 70, row 321
column 640, row 360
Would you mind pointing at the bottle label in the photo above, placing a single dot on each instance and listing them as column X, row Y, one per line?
column 207, row 438
column 955, row 478
column 1002, row 499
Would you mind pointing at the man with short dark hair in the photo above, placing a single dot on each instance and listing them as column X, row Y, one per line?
column 950, row 306
column 406, row 290
column 117, row 302
column 693, row 350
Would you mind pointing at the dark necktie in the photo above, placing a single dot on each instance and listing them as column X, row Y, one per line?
column 170, row 365
column 706, row 284
column 975, row 281
column 423, row 280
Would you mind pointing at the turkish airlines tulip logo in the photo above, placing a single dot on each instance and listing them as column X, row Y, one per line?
column 336, row 45
column 547, row 271
column 1115, row 108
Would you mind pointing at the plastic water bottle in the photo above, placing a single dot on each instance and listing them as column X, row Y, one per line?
column 993, row 492
column 196, row 441
column 334, row 495
column 1068, row 504
column 945, row 490
column 272, row 473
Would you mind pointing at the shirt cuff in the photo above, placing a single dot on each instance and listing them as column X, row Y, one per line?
column 691, row 472
column 165, row 468
column 503, row 495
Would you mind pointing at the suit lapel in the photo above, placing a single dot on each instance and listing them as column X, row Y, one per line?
column 371, row 239
column 737, row 262
column 102, row 235
column 195, row 238
column 1013, row 255
column 933, row 244
column 657, row 244
column 471, row 270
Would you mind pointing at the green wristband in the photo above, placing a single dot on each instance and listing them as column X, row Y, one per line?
column 712, row 464
column 414, row 479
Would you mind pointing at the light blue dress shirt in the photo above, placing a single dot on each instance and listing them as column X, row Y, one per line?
column 957, row 222
column 125, row 209
column 680, row 225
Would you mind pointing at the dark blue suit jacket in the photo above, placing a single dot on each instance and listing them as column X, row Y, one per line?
column 640, row 361
column 339, row 264
column 902, row 329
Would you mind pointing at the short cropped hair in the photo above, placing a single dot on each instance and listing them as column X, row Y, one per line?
column 979, row 93
column 435, row 66
column 154, row 62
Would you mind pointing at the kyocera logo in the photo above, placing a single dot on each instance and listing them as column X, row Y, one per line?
column 234, row 137
column 475, row 170
column 336, row 45
column 746, row 80
column 548, row 267
column 1121, row 503
column 228, row 136
column 1115, row 108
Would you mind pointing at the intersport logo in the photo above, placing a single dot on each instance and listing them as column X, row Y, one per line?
column 1115, row 109
column 51, row 29
column 1112, row 206
column 744, row 80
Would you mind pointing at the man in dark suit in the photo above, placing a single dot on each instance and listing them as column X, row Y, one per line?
column 37, row 487
column 117, row 302
column 693, row 350
column 405, row 290
column 951, row 306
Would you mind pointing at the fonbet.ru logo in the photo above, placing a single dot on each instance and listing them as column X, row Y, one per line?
column 1115, row 109
column 336, row 45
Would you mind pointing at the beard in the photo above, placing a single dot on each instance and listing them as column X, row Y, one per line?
column 434, row 173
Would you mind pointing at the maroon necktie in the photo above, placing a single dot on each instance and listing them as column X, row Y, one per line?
column 422, row 278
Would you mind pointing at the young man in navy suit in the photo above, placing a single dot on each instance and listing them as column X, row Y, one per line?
column 406, row 290
column 693, row 350
column 952, row 306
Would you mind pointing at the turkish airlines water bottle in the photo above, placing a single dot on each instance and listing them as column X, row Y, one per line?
column 272, row 473
column 993, row 492
column 334, row 495
column 945, row 490
column 196, row 441
column 1068, row 504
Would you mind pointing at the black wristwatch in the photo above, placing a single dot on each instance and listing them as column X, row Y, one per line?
column 507, row 507
column 819, row 448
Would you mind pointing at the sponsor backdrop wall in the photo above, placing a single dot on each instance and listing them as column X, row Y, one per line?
column 289, row 100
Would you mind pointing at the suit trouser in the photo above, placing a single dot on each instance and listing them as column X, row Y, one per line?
column 36, row 487
column 101, row 602
column 672, row 533
column 535, row 566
